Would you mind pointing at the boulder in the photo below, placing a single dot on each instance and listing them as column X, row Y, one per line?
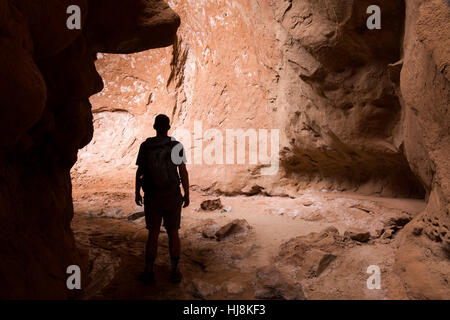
column 211, row 205
column 136, row 216
column 237, row 227
column 209, row 230
column 357, row 234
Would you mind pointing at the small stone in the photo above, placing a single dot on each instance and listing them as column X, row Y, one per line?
column 313, row 216
column 211, row 205
column 388, row 233
column 226, row 209
column 136, row 216
column 357, row 234
column 235, row 228
column 209, row 231
column 308, row 203
column 378, row 232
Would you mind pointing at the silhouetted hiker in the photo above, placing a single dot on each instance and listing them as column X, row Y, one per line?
column 159, row 161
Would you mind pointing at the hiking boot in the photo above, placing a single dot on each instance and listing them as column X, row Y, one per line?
column 148, row 278
column 176, row 276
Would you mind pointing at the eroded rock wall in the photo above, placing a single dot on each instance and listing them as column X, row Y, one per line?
column 425, row 92
column 339, row 87
column 48, row 75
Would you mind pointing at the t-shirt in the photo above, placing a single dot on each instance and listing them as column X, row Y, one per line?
column 180, row 158
column 157, row 182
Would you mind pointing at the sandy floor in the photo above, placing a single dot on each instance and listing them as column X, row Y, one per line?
column 227, row 269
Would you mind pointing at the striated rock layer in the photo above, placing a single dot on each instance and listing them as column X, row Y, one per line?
column 48, row 75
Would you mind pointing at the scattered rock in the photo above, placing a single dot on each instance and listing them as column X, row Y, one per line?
column 253, row 190
column 308, row 203
column 227, row 209
column 388, row 233
column 313, row 216
column 211, row 205
column 357, row 235
column 378, row 232
column 136, row 216
column 235, row 228
column 209, row 231
column 399, row 221
column 270, row 284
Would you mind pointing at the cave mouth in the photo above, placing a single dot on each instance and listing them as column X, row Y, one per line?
column 226, row 235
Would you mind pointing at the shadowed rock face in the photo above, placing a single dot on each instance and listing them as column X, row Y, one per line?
column 149, row 24
column 349, row 127
column 48, row 74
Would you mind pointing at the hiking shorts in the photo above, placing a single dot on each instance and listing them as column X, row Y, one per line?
column 165, row 209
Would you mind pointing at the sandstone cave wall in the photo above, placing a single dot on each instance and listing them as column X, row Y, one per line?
column 425, row 93
column 47, row 77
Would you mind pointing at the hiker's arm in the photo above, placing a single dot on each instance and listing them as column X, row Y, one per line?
column 138, row 186
column 185, row 182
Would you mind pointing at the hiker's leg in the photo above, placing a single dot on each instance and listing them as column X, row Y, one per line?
column 151, row 249
column 175, row 249
column 172, row 223
column 174, row 243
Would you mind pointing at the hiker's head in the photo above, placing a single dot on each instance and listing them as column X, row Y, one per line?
column 162, row 124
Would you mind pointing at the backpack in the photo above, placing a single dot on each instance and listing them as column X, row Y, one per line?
column 160, row 173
